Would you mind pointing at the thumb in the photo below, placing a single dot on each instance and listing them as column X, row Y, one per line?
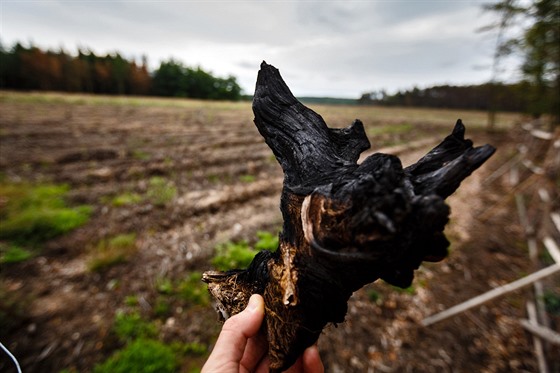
column 232, row 341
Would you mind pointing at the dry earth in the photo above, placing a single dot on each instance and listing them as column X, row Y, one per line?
column 228, row 186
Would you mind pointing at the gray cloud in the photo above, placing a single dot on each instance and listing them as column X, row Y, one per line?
column 334, row 48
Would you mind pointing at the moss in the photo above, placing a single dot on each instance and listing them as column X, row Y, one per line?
column 31, row 214
column 142, row 355
column 231, row 255
column 130, row 326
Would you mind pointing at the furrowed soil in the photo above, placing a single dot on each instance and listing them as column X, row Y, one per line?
column 223, row 185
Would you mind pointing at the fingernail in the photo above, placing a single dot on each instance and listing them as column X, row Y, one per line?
column 253, row 303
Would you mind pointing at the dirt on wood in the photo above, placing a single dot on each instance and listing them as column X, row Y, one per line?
column 226, row 188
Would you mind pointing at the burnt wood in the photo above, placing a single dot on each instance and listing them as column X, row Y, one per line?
column 345, row 224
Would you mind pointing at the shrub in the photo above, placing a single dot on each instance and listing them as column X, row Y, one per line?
column 142, row 356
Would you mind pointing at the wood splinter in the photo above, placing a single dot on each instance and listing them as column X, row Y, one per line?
column 345, row 224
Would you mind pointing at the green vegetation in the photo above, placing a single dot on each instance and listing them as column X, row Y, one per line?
column 247, row 178
column 190, row 348
column 141, row 155
column 176, row 80
column 164, row 286
column 193, row 290
column 127, row 198
column 160, row 191
column 162, row 307
column 373, row 295
column 131, row 300
column 390, row 129
column 552, row 302
column 142, row 351
column 409, row 290
column 34, row 69
column 113, row 251
column 266, row 241
column 10, row 254
column 31, row 214
column 130, row 326
column 141, row 355
column 231, row 255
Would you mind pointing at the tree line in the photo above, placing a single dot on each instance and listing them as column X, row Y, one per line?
column 538, row 45
column 31, row 68
column 502, row 97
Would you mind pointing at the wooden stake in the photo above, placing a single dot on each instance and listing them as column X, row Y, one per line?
column 494, row 293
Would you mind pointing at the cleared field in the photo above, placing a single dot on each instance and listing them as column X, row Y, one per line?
column 166, row 182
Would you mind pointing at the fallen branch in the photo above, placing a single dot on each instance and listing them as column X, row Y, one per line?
column 345, row 224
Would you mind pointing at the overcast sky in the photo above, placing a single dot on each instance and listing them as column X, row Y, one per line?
column 322, row 48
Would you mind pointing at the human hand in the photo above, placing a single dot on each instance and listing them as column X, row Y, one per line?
column 241, row 348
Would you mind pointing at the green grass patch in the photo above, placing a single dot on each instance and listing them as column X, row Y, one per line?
column 162, row 306
column 141, row 155
column 266, row 241
column 409, row 290
column 193, row 290
column 164, row 286
column 190, row 348
column 31, row 214
column 113, row 251
column 131, row 300
column 130, row 326
column 160, row 191
column 232, row 255
column 247, row 178
column 126, row 199
column 11, row 254
column 141, row 355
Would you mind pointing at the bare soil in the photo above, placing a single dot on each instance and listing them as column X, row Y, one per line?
column 228, row 186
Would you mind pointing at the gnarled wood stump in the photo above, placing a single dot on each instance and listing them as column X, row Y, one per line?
column 345, row 224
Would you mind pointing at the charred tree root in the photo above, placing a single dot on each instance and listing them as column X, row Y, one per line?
column 345, row 224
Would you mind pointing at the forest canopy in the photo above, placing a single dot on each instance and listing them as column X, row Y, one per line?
column 31, row 68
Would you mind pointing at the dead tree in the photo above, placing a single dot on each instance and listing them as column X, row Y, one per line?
column 345, row 224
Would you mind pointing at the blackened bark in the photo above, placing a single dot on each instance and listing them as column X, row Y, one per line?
column 345, row 224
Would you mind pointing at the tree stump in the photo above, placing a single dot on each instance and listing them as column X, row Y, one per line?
column 345, row 224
